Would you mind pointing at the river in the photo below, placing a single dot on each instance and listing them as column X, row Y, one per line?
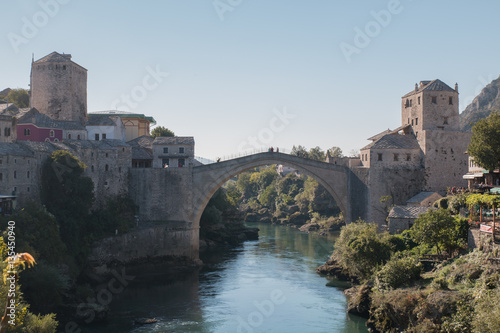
column 269, row 285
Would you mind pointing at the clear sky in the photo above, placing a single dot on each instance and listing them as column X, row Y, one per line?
column 259, row 73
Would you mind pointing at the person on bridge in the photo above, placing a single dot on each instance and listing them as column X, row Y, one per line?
column 272, row 149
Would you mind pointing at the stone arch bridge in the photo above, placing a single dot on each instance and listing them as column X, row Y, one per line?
column 180, row 195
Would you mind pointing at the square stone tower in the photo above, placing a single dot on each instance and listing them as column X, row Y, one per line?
column 59, row 88
column 431, row 110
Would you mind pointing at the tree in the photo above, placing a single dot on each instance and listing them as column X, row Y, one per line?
column 485, row 142
column 360, row 248
column 20, row 97
column 335, row 152
column 317, row 154
column 161, row 131
column 299, row 151
column 438, row 229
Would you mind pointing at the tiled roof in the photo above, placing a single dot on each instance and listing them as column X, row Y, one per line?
column 435, row 85
column 379, row 135
column 14, row 149
column 54, row 57
column 394, row 141
column 174, row 140
column 407, row 212
column 93, row 144
column 123, row 114
column 143, row 141
column 420, row 197
column 44, row 147
column 42, row 120
column 100, row 120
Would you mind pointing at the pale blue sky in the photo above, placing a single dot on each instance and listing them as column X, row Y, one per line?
column 227, row 76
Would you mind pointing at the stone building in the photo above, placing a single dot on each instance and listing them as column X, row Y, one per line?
column 431, row 110
column 136, row 124
column 173, row 152
column 59, row 88
column 424, row 199
column 403, row 217
column 142, row 152
column 426, row 153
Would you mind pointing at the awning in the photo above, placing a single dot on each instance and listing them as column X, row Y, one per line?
column 495, row 190
column 478, row 174
column 468, row 177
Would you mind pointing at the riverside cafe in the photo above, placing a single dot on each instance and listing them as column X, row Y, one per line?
column 485, row 210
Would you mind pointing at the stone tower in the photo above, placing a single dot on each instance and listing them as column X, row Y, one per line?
column 59, row 88
column 431, row 110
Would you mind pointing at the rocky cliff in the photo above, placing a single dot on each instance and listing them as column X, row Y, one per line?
column 482, row 105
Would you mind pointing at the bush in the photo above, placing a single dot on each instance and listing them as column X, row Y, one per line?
column 40, row 324
column 398, row 271
column 360, row 249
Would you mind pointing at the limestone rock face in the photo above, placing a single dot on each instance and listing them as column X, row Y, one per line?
column 487, row 100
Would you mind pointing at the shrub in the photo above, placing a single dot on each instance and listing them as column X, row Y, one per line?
column 360, row 248
column 398, row 271
column 40, row 324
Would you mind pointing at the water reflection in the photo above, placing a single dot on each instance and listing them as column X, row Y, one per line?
column 269, row 285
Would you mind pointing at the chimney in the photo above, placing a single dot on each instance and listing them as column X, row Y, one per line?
column 456, row 87
column 416, row 87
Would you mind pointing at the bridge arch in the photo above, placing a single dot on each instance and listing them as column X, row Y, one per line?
column 207, row 179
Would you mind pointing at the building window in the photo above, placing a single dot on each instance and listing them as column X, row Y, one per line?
column 408, row 120
column 411, row 102
column 445, row 121
column 1, row 161
column 412, row 122
column 434, row 99
column 27, row 132
column 1, row 177
column 47, row 140
column 396, row 157
column 15, row 161
column 450, row 100
column 6, row 131
column 78, row 137
column 28, row 189
column 380, row 156
column 408, row 157
column 28, row 174
column 418, row 100
column 103, row 136
column 92, row 168
column 96, row 137
column 407, row 104
column 106, row 168
column 51, row 133
column 181, row 150
column 182, row 162
column 69, row 136
column 165, row 162
column 165, row 150
column 64, row 67
column 15, row 174
column 416, row 121
column 107, row 154
column 56, row 140
column 119, row 169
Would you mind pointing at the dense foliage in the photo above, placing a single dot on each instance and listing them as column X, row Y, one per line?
column 161, row 131
column 20, row 97
column 485, row 142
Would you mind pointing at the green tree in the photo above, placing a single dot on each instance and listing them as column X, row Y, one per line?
column 299, row 151
column 317, row 154
column 439, row 229
column 161, row 131
column 360, row 248
column 335, row 152
column 20, row 97
column 485, row 142
column 62, row 182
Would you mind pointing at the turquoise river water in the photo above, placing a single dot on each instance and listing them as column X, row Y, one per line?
column 269, row 285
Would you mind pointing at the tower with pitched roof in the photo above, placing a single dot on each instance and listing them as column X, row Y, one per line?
column 59, row 88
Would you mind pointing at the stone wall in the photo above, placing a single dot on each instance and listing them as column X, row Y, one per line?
column 163, row 243
column 445, row 159
column 59, row 90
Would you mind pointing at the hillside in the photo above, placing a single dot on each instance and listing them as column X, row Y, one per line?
column 482, row 105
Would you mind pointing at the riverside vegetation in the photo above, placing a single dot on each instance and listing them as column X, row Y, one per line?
column 399, row 292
